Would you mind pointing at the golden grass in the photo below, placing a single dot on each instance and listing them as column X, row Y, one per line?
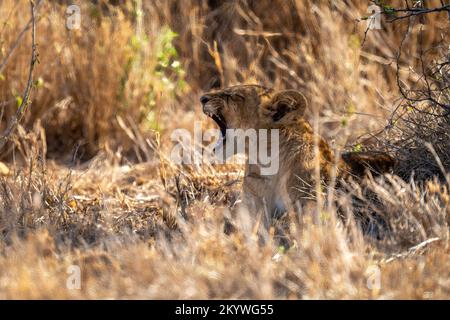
column 87, row 180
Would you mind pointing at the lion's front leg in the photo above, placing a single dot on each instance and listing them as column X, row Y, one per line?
column 256, row 199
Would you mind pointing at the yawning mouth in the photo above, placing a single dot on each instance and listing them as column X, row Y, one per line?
column 220, row 120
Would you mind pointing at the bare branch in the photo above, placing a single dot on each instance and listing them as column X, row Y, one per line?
column 17, row 42
column 26, row 95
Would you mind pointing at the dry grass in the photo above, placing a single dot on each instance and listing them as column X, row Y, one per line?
column 89, row 183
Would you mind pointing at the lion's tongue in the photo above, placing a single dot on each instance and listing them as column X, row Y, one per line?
column 220, row 121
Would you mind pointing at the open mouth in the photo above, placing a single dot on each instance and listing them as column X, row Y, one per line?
column 220, row 121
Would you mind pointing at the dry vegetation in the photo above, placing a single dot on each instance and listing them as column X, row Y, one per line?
column 86, row 180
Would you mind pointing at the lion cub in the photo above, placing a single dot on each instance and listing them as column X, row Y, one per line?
column 255, row 107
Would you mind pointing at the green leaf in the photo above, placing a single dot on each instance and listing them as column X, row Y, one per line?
column 357, row 148
column 19, row 101
column 39, row 83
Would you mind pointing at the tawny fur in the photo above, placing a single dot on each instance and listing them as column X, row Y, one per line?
column 252, row 106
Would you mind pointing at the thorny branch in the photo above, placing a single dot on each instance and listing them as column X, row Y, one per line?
column 422, row 112
column 408, row 11
column 433, row 85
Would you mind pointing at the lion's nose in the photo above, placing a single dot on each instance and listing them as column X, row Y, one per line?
column 204, row 99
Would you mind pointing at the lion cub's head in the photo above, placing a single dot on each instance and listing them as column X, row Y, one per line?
column 252, row 107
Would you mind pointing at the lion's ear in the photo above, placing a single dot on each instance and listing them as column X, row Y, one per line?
column 284, row 104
